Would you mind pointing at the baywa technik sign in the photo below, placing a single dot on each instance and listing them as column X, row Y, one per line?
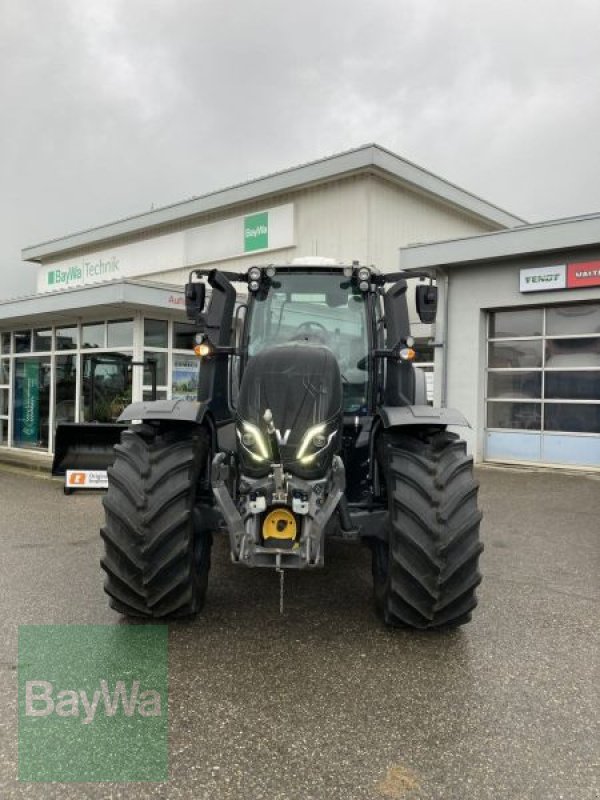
column 561, row 276
column 85, row 272
column 270, row 229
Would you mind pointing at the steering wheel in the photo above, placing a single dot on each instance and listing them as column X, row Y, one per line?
column 309, row 323
column 311, row 329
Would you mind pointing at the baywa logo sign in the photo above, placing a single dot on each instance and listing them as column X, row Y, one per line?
column 87, row 271
column 256, row 232
column 93, row 703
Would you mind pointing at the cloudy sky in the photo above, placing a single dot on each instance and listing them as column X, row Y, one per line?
column 110, row 107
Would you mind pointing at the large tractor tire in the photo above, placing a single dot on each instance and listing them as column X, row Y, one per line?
column 156, row 562
column 426, row 574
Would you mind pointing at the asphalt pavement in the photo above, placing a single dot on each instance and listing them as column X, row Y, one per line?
column 324, row 701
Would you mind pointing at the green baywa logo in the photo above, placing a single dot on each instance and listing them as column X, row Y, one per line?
column 41, row 700
column 256, row 232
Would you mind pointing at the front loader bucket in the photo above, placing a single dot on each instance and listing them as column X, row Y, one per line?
column 85, row 445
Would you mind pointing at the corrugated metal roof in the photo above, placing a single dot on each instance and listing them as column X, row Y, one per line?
column 367, row 157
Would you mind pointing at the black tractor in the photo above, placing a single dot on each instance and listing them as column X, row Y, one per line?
column 311, row 422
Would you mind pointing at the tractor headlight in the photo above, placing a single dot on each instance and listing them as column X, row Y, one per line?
column 315, row 440
column 253, row 441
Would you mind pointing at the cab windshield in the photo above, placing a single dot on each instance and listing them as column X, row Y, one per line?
column 325, row 309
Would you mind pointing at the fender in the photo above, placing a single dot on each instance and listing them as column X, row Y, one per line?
column 171, row 410
column 190, row 411
column 400, row 416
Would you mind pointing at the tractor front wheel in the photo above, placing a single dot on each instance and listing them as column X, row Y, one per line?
column 156, row 560
column 426, row 574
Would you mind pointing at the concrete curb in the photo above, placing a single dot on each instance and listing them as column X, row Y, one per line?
column 37, row 462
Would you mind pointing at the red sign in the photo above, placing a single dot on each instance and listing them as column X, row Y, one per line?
column 585, row 274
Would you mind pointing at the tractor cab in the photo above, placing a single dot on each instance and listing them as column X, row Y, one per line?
column 316, row 308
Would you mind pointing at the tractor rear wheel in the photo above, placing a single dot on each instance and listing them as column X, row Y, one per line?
column 156, row 562
column 426, row 574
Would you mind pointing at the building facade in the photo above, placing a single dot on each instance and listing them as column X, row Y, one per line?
column 518, row 339
column 113, row 294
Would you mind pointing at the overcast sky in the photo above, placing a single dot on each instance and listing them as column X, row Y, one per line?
column 111, row 106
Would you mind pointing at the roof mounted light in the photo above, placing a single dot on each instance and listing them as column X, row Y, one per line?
column 254, row 274
column 270, row 272
column 254, row 286
column 364, row 274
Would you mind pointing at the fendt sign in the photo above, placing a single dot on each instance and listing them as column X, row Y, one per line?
column 561, row 276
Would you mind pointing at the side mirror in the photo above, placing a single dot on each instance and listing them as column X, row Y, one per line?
column 426, row 299
column 195, row 295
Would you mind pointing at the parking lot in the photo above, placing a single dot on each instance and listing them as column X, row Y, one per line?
column 324, row 702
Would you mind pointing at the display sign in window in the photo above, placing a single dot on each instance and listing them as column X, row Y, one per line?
column 31, row 402
column 185, row 377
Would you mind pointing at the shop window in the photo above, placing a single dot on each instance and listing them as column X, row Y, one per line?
column 424, row 353
column 4, row 371
column 508, row 324
column 161, row 368
column 564, row 353
column 515, row 354
column 3, row 432
column 572, row 385
column 64, row 389
column 520, row 416
column 161, row 394
column 572, row 417
column 515, row 385
column 185, row 377
column 156, row 333
column 31, row 402
column 3, row 402
column 573, row 320
column 183, row 336
column 22, row 341
column 66, row 338
column 120, row 333
column 93, row 335
column 42, row 341
column 106, row 386
column 5, row 343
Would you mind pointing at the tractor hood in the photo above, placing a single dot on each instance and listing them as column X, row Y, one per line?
column 300, row 384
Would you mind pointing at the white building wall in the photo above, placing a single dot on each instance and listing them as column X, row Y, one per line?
column 400, row 216
column 362, row 217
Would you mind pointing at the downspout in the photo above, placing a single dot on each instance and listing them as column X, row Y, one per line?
column 441, row 344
